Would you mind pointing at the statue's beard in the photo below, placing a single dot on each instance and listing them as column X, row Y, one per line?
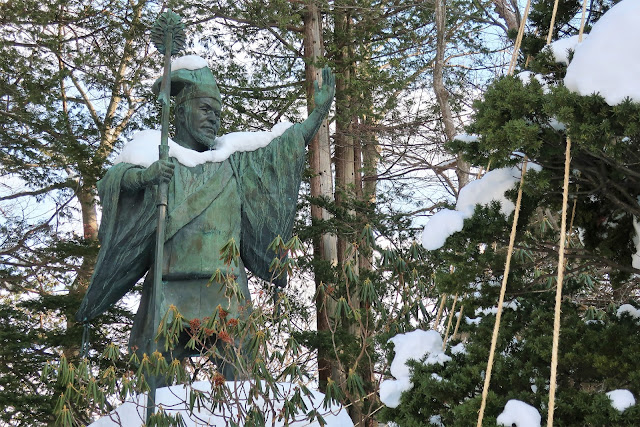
column 202, row 138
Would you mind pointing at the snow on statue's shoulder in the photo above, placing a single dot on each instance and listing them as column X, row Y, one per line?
column 142, row 149
column 175, row 400
column 608, row 62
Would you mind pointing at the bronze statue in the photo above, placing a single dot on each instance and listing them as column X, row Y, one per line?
column 250, row 197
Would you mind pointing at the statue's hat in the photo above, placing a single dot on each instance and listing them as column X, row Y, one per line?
column 188, row 83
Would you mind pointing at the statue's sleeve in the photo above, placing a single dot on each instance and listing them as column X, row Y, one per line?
column 126, row 238
column 269, row 181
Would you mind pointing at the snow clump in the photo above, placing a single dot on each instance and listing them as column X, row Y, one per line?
column 490, row 187
column 483, row 191
column 607, row 62
column 526, row 77
column 472, row 321
column 621, row 399
column 459, row 349
column 635, row 258
column 464, row 137
column 414, row 345
column 436, row 420
column 561, row 47
column 628, row 309
column 513, row 305
column 480, row 312
column 519, row 413
column 441, row 225
column 175, row 401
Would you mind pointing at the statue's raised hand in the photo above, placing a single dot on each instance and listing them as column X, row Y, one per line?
column 323, row 98
column 324, row 95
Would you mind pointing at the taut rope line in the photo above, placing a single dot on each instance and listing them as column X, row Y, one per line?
column 446, row 334
column 556, row 319
column 516, row 48
column 444, row 298
column 503, row 288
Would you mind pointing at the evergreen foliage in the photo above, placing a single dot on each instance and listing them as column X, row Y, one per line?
column 66, row 64
column 597, row 347
column 261, row 345
column 72, row 83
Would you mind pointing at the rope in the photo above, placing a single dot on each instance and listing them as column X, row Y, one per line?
column 484, row 171
column 573, row 216
column 444, row 298
column 516, row 48
column 553, row 21
column 561, row 261
column 496, row 326
column 556, row 319
column 582, row 21
column 446, row 334
column 455, row 330
column 512, row 237
column 573, row 212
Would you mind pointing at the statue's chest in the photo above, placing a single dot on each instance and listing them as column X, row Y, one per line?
column 192, row 188
column 189, row 180
column 204, row 213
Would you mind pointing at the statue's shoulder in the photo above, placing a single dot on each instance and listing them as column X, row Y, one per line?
column 142, row 150
column 236, row 143
column 112, row 176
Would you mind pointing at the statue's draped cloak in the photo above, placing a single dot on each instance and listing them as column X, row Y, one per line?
column 268, row 181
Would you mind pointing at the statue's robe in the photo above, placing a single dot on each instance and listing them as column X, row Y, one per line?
column 250, row 197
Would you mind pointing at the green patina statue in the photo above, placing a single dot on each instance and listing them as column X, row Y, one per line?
column 250, row 197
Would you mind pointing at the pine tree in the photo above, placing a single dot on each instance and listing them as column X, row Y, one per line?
column 58, row 138
column 597, row 344
column 71, row 78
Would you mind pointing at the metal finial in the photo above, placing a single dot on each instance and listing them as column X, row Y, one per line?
column 168, row 22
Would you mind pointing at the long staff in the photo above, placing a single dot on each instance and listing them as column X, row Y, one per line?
column 168, row 37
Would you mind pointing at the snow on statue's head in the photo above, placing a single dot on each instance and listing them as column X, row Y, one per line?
column 197, row 105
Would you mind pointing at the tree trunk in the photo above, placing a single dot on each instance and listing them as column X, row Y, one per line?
column 462, row 167
column 348, row 161
column 87, row 199
column 324, row 246
column 508, row 11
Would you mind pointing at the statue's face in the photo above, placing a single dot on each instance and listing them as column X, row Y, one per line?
column 202, row 120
